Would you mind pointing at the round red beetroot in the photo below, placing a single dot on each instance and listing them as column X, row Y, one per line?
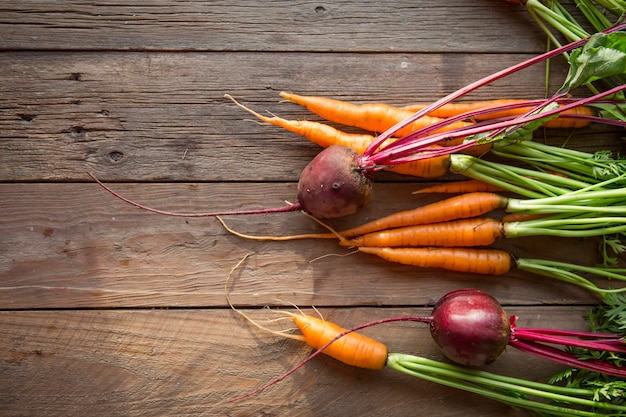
column 333, row 184
column 470, row 327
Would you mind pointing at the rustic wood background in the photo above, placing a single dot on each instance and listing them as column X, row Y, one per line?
column 109, row 310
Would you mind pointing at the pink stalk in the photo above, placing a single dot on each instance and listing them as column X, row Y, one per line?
column 532, row 340
column 371, row 149
column 566, row 358
column 390, row 154
column 503, row 107
column 588, row 340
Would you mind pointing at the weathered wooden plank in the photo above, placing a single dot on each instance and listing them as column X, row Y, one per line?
column 74, row 245
column 162, row 116
column 189, row 362
column 402, row 25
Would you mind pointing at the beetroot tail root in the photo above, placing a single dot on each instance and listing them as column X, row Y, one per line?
column 332, row 185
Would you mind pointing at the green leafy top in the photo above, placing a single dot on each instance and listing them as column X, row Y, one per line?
column 603, row 56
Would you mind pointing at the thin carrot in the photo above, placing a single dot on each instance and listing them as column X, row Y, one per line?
column 455, row 233
column 319, row 133
column 459, row 187
column 471, row 260
column 458, row 207
column 325, row 136
column 455, row 109
column 375, row 117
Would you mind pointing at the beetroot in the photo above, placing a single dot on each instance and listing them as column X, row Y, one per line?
column 470, row 327
column 333, row 184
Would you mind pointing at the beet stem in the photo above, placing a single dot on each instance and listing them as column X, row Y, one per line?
column 610, row 345
column 557, row 355
column 401, row 148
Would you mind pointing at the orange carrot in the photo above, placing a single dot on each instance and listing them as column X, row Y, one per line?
column 471, row 260
column 352, row 349
column 455, row 233
column 349, row 347
column 455, row 109
column 459, row 187
column 458, row 207
column 325, row 136
column 375, row 117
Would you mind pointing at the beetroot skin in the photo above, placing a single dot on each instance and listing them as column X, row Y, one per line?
column 470, row 327
column 333, row 184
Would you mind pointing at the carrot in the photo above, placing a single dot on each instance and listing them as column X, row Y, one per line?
column 459, row 187
column 319, row 133
column 562, row 220
column 375, row 117
column 342, row 344
column 455, row 233
column 471, row 260
column 455, row 109
column 325, row 136
column 458, row 207
column 352, row 349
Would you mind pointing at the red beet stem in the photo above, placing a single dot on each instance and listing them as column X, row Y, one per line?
column 557, row 355
column 412, row 143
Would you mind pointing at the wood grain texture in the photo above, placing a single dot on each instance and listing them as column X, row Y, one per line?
column 163, row 116
column 190, row 362
column 364, row 26
column 74, row 245
column 109, row 310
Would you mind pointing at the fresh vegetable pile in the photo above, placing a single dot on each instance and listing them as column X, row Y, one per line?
column 550, row 191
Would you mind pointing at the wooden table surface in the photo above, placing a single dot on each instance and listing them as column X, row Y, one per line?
column 110, row 310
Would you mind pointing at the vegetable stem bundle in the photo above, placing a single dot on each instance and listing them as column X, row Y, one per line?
column 499, row 388
column 490, row 334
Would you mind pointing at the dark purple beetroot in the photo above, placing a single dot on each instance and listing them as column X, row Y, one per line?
column 333, row 184
column 470, row 327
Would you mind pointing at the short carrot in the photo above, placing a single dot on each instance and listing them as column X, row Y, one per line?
column 374, row 117
column 455, row 109
column 352, row 349
column 459, row 187
column 344, row 345
column 471, row 260
column 455, row 233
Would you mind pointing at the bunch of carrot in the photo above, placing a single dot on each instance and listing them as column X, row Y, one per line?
column 564, row 196
column 452, row 233
column 567, row 193
column 451, row 316
column 378, row 117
